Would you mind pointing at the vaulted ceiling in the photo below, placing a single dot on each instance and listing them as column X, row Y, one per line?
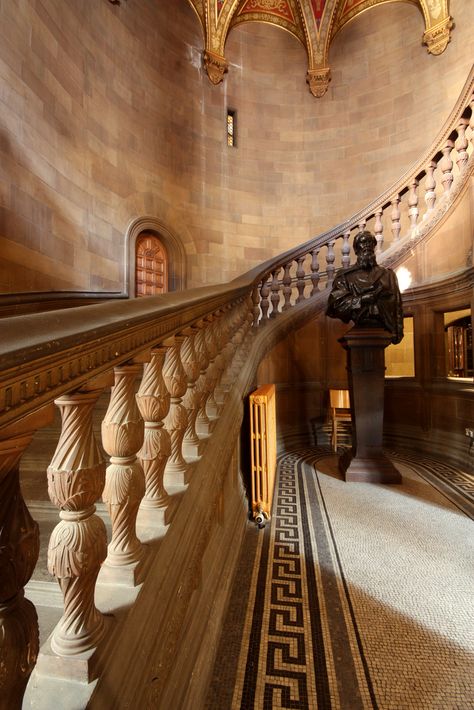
column 314, row 23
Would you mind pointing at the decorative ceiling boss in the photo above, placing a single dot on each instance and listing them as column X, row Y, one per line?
column 314, row 23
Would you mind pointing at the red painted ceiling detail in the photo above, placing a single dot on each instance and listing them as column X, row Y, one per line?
column 349, row 5
column 220, row 4
column 318, row 9
column 279, row 8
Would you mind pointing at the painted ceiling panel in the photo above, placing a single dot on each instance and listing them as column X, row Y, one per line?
column 313, row 22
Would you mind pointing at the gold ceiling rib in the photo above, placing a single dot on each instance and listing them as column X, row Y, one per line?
column 313, row 22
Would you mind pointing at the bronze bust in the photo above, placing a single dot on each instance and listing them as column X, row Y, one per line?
column 367, row 294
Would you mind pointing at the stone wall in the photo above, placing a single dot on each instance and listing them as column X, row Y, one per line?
column 106, row 116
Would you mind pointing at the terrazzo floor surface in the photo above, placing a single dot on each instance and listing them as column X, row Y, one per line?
column 355, row 595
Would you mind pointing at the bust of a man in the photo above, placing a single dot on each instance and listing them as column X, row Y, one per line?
column 367, row 294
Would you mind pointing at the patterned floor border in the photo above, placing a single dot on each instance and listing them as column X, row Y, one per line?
column 299, row 646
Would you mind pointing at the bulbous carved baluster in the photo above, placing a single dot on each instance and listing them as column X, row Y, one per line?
column 346, row 249
column 330, row 257
column 446, row 165
column 219, row 363
column 471, row 122
column 430, row 186
column 396, row 225
column 122, row 438
column 413, row 204
column 461, row 143
column 287, row 286
column 378, row 230
column 264, row 303
column 153, row 400
column 314, row 271
column 202, row 421
column 362, row 224
column 177, row 420
column 275, row 288
column 78, row 544
column 212, row 342
column 19, row 548
column 192, row 365
column 256, row 306
column 300, row 282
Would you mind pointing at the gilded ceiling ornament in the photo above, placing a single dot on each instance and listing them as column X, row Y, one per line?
column 314, row 22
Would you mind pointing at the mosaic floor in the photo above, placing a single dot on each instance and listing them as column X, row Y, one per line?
column 355, row 595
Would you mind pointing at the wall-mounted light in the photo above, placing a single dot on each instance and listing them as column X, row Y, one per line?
column 404, row 278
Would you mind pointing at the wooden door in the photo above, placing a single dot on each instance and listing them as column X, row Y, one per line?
column 151, row 275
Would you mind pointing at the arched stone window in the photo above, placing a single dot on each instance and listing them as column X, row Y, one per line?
column 151, row 265
column 155, row 259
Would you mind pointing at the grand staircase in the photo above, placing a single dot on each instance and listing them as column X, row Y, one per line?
column 143, row 547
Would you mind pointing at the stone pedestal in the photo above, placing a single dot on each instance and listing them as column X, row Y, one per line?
column 366, row 370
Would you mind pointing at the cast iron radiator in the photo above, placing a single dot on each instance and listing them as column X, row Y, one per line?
column 263, row 451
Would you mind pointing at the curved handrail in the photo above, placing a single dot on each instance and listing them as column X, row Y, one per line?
column 45, row 355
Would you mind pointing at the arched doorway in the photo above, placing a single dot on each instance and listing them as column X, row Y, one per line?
column 171, row 272
column 151, row 265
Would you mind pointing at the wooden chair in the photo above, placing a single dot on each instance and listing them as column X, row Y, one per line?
column 339, row 411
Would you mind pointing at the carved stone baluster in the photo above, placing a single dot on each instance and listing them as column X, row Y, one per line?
column 177, row 420
column 122, row 438
column 462, row 143
column 413, row 204
column 378, row 230
column 346, row 249
column 287, row 286
column 362, row 224
column 471, row 121
column 446, row 165
column 264, row 303
column 396, row 225
column 330, row 258
column 219, row 365
column 153, row 401
column 78, row 544
column 213, row 346
column 192, row 365
column 256, row 306
column 19, row 548
column 430, row 186
column 300, row 282
column 275, row 289
column 203, row 425
column 314, row 271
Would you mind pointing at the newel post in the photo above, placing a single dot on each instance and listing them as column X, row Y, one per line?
column 19, row 549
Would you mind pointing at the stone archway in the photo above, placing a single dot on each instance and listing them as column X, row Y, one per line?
column 173, row 248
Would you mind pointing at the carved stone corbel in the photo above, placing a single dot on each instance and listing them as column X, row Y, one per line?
column 215, row 65
column 438, row 36
column 318, row 80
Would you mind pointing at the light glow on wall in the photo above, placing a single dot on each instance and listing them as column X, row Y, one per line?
column 404, row 278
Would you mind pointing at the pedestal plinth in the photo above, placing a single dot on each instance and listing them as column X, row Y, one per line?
column 366, row 370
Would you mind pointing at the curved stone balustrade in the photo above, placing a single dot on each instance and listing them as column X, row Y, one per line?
column 192, row 345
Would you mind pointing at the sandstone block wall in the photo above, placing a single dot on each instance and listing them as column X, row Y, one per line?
column 106, row 116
